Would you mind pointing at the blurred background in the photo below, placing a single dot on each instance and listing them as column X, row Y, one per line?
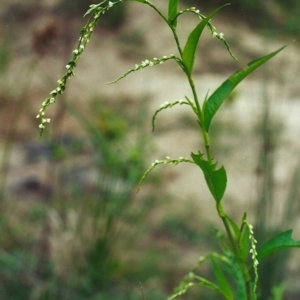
column 71, row 223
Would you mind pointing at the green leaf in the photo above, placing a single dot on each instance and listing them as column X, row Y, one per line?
column 279, row 242
column 240, row 292
column 214, row 102
column 223, row 284
column 172, row 14
column 234, row 226
column 244, row 242
column 215, row 179
column 189, row 51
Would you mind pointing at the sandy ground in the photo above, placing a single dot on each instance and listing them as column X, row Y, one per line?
column 237, row 142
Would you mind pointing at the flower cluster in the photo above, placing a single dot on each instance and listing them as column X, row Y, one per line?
column 146, row 63
column 157, row 162
column 96, row 10
column 253, row 253
column 212, row 28
column 191, row 9
column 164, row 106
column 220, row 35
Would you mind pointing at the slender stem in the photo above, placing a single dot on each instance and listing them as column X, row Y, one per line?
column 220, row 209
column 242, row 264
column 200, row 117
column 171, row 27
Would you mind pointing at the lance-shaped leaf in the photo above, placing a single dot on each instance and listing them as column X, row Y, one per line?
column 244, row 242
column 238, row 277
column 189, row 51
column 281, row 241
column 214, row 102
column 172, row 14
column 234, row 226
column 223, row 284
column 215, row 179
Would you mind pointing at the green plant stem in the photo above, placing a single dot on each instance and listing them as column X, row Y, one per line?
column 170, row 26
column 191, row 83
column 200, row 118
column 242, row 265
column 206, row 139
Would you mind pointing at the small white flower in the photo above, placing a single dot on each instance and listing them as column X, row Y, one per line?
column 52, row 100
column 38, row 116
column 110, row 4
column 215, row 34
column 45, row 120
column 145, row 63
column 41, row 126
column 75, row 51
column 68, row 67
column 221, row 35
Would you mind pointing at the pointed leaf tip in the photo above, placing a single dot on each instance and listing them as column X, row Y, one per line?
column 189, row 51
column 214, row 102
